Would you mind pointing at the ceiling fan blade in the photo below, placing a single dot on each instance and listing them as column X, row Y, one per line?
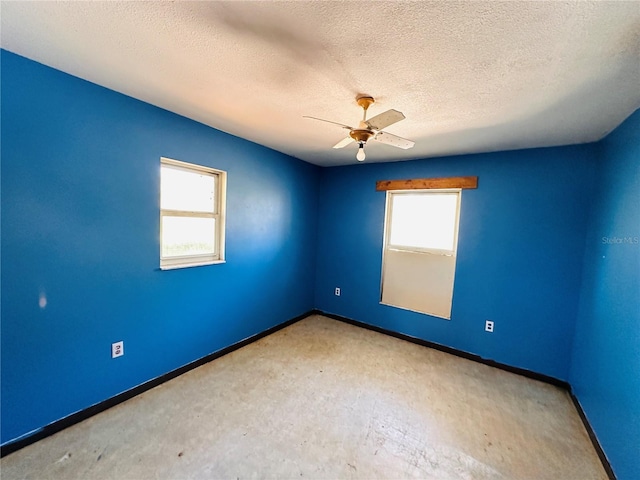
column 328, row 121
column 393, row 140
column 385, row 119
column 344, row 142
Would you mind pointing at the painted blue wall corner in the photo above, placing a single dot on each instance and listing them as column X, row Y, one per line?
column 519, row 260
column 605, row 369
column 79, row 186
column 80, row 228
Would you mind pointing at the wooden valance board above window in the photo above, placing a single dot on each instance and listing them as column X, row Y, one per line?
column 427, row 183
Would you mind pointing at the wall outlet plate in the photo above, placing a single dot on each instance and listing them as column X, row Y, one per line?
column 337, row 291
column 117, row 349
column 488, row 326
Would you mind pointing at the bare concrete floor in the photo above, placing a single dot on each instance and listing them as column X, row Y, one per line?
column 323, row 399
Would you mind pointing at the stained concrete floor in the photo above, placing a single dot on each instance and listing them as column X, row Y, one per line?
column 327, row 400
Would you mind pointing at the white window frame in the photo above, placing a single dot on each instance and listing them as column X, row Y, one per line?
column 389, row 212
column 219, row 211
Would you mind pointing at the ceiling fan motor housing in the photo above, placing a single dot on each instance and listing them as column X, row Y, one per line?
column 361, row 135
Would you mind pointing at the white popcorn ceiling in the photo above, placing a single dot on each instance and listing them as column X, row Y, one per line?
column 469, row 76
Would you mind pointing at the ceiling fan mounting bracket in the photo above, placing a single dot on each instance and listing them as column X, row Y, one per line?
column 365, row 101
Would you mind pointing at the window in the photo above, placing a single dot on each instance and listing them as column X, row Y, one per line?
column 423, row 222
column 192, row 210
column 419, row 258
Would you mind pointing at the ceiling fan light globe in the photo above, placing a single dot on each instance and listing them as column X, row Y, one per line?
column 360, row 156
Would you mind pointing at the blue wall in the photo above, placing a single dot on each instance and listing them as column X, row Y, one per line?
column 80, row 223
column 520, row 252
column 605, row 372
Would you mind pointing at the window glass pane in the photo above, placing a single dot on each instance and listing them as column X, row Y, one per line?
column 424, row 220
column 187, row 191
column 187, row 236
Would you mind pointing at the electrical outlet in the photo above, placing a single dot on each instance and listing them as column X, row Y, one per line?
column 117, row 349
column 337, row 291
column 488, row 326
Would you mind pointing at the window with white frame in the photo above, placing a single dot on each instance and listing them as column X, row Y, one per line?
column 420, row 244
column 423, row 221
column 192, row 214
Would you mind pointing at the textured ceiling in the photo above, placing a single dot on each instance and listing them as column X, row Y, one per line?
column 469, row 76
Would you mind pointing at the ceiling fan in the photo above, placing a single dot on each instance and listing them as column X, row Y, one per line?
column 371, row 129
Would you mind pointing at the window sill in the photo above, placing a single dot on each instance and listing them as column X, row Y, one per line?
column 189, row 265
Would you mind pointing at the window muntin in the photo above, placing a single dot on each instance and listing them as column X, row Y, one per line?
column 191, row 214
